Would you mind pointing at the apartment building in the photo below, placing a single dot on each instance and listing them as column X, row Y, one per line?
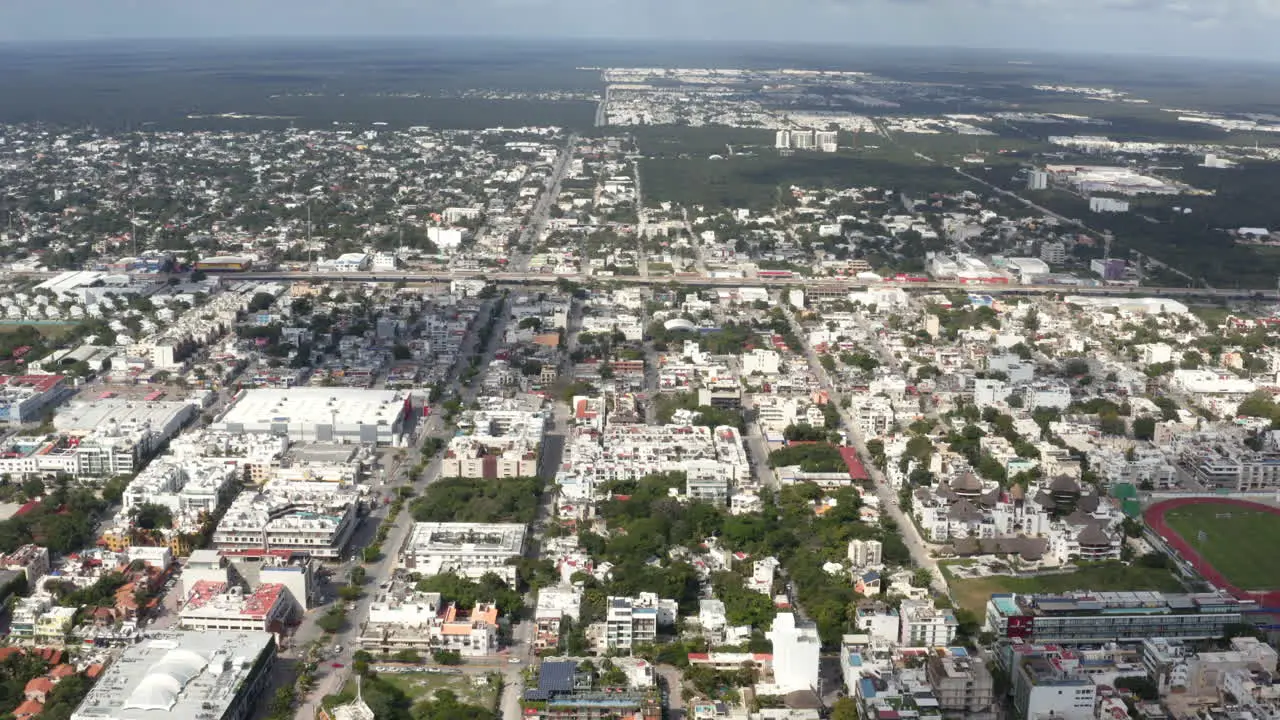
column 631, row 621
column 401, row 618
column 963, row 685
column 26, row 398
column 1051, row 684
column 924, row 625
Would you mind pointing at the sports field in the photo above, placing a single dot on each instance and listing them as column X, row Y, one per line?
column 1241, row 542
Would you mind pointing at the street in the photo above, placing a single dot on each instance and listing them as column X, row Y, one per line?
column 920, row 554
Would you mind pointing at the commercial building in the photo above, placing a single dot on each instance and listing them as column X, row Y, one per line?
column 183, row 676
column 337, row 415
column 26, row 398
column 315, row 518
column 1126, row 617
column 470, row 550
column 217, row 606
column 796, row 649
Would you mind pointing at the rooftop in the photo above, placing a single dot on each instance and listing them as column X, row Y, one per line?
column 181, row 675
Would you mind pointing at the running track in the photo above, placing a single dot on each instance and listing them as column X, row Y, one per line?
column 1154, row 516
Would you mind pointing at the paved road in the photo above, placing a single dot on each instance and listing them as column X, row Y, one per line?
column 842, row 284
column 329, row 679
column 920, row 554
column 537, row 221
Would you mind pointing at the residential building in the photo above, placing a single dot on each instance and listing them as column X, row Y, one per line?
column 315, row 518
column 1051, row 684
column 26, row 398
column 796, row 649
column 924, row 625
column 866, row 553
column 963, row 685
column 30, row 560
column 555, row 605
column 631, row 621
column 401, row 618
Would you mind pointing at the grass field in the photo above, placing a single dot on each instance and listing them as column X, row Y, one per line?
column 973, row 594
column 475, row 690
column 1243, row 545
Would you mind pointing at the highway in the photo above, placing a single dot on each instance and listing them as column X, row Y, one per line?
column 841, row 284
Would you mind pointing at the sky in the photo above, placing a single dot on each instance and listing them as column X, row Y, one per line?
column 1212, row 28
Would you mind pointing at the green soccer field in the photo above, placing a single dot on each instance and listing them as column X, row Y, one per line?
column 1242, row 544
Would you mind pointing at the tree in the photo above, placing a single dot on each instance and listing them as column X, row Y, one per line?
column 1144, row 428
column 261, row 301
column 447, row 657
column 33, row 488
column 150, row 516
column 844, row 709
column 1111, row 425
column 400, row 351
column 407, row 656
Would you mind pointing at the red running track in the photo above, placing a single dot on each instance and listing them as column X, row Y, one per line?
column 1154, row 516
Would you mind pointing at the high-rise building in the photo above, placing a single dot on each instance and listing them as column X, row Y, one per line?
column 1038, row 180
column 782, row 140
column 795, row 654
column 827, row 140
column 803, row 140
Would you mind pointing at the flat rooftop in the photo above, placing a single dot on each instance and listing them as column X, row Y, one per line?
column 1114, row 603
column 178, row 675
column 343, row 407
column 83, row 417
column 467, row 539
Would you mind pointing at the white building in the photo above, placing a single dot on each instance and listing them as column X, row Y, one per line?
column 631, row 621
column 923, row 625
column 317, row 518
column 796, row 649
column 212, row 605
column 866, row 553
column 338, row 415
column 401, row 618
column 184, row 676
column 765, row 362
column 470, row 550
column 1108, row 205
